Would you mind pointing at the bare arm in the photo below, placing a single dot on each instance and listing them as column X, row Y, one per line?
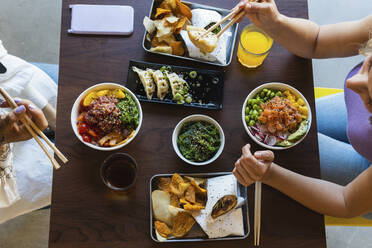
column 322, row 196
column 319, row 195
column 50, row 115
column 304, row 37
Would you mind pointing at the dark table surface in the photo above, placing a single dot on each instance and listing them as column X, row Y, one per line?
column 86, row 214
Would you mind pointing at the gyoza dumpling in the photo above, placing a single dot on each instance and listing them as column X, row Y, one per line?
column 177, row 84
column 206, row 44
column 161, row 83
column 147, row 81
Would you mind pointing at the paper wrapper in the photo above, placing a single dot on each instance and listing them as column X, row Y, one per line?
column 230, row 223
column 203, row 17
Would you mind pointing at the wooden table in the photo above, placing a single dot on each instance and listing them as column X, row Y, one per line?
column 86, row 214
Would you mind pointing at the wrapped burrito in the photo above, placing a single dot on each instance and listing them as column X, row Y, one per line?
column 202, row 18
column 229, row 222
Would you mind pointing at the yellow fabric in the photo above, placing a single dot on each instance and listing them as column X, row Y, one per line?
column 320, row 92
column 332, row 221
column 358, row 221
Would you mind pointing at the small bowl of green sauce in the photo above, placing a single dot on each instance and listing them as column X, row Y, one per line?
column 198, row 140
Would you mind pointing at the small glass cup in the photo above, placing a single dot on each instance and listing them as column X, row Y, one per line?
column 254, row 46
column 119, row 172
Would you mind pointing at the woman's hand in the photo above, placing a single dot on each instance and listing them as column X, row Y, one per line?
column 12, row 129
column 263, row 14
column 361, row 83
column 250, row 168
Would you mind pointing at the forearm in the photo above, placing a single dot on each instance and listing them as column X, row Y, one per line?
column 297, row 35
column 306, row 39
column 50, row 115
column 321, row 196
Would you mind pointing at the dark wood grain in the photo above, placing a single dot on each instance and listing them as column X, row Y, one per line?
column 86, row 214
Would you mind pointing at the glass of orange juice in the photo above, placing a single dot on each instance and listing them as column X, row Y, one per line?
column 254, row 46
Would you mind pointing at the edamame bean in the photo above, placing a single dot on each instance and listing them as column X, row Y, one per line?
column 251, row 123
column 262, row 94
column 278, row 94
column 188, row 99
column 256, row 107
column 272, row 94
column 177, row 97
column 247, row 118
column 247, row 110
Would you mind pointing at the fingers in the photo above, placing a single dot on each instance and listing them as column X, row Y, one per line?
column 35, row 113
column 15, row 115
column 264, row 155
column 254, row 7
column 240, row 6
column 37, row 116
column 4, row 104
column 22, row 133
column 246, row 150
column 251, row 167
column 241, row 175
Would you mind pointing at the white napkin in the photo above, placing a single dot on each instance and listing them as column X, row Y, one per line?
column 230, row 223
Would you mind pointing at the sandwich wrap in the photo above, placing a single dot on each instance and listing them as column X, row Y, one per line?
column 231, row 223
column 202, row 18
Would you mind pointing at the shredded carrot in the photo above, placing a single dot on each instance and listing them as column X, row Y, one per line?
column 279, row 115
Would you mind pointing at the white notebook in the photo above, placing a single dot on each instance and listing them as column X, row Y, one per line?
column 101, row 19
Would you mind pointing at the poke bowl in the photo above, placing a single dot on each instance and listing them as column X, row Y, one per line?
column 198, row 140
column 276, row 116
column 106, row 116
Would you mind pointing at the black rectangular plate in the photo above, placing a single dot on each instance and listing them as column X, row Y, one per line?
column 211, row 99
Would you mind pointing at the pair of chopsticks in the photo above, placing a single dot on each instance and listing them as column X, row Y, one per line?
column 257, row 213
column 234, row 20
column 33, row 129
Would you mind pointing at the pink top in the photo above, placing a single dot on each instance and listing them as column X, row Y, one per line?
column 359, row 128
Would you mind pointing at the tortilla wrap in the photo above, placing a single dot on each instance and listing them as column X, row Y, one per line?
column 230, row 223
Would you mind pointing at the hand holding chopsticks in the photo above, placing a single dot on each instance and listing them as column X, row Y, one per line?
column 33, row 129
column 251, row 168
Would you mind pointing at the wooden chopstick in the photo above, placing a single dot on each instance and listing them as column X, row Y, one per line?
column 234, row 20
column 232, row 13
column 26, row 120
column 257, row 213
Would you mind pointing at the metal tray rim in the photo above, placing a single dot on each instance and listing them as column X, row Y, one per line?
column 192, row 59
column 195, row 240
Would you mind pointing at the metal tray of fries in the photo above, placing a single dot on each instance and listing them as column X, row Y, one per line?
column 196, row 234
column 230, row 41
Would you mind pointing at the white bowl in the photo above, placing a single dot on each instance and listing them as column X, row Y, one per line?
column 75, row 113
column 205, row 118
column 282, row 87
